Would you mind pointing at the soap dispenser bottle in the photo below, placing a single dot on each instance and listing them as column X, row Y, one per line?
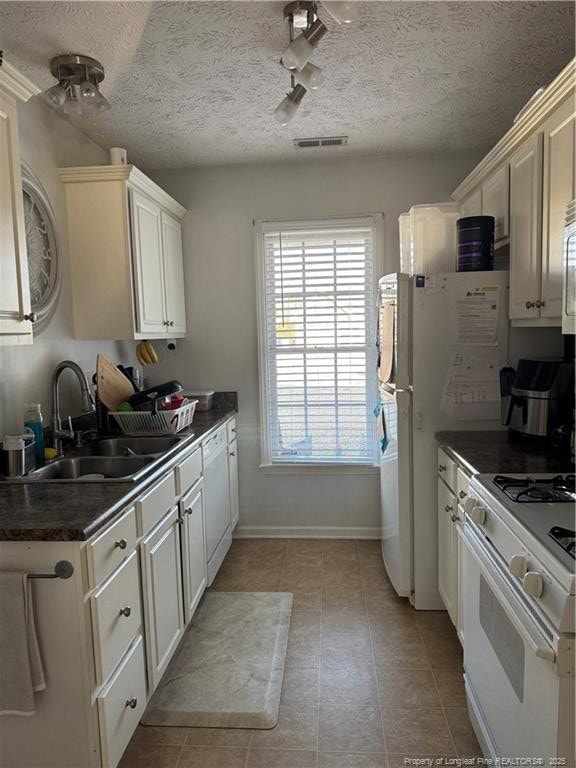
column 34, row 421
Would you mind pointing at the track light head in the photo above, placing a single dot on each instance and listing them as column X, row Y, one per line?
column 341, row 12
column 288, row 107
column 310, row 76
column 300, row 50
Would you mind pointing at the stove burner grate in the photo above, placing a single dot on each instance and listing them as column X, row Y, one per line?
column 561, row 488
column 565, row 538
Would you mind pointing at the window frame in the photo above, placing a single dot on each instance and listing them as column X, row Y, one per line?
column 261, row 226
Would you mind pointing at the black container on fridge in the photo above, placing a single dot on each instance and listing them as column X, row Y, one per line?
column 475, row 243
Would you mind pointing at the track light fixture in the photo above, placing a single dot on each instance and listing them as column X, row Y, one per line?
column 77, row 91
column 306, row 31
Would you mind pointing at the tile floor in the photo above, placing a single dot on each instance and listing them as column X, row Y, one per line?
column 368, row 680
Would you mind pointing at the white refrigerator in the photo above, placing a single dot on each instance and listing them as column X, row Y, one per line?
column 442, row 340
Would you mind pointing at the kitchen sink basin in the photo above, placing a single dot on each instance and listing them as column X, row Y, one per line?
column 128, row 446
column 90, row 469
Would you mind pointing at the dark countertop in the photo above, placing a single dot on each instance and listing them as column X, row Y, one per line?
column 38, row 511
column 496, row 452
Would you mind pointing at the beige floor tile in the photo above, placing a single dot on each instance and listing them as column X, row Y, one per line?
column 341, row 581
column 150, row 756
column 351, row 760
column 341, row 598
column 304, row 639
column 300, row 685
column 379, row 603
column 350, row 729
column 450, row 683
column 369, row 549
column 394, row 627
column 309, row 600
column 304, row 579
column 149, row 734
column 353, row 618
column 444, row 651
column 434, row 622
column 297, row 729
column 344, row 649
column 349, row 685
column 212, row 757
column 417, row 731
column 407, row 688
column 282, row 758
column 400, row 653
column 302, row 548
column 462, row 732
column 265, row 582
column 228, row 582
column 218, row 737
column 334, row 549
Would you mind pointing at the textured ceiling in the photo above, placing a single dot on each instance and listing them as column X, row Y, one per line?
column 197, row 82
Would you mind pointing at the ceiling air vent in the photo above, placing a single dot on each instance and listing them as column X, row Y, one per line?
column 320, row 143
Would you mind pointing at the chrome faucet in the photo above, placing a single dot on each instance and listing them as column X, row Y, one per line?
column 58, row 434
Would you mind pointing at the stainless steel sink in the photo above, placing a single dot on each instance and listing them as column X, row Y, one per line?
column 90, row 469
column 128, row 446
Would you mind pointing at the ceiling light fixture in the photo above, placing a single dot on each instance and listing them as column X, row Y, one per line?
column 302, row 17
column 77, row 91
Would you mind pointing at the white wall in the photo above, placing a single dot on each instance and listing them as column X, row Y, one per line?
column 220, row 351
column 48, row 142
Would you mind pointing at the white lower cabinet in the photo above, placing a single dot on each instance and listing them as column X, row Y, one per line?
column 447, row 550
column 233, row 482
column 194, row 572
column 162, row 594
column 121, row 704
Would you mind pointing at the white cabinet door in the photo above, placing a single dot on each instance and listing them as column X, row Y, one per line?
column 233, row 481
column 558, row 191
column 145, row 217
column 496, row 201
column 173, row 274
column 447, row 553
column 526, row 229
column 471, row 205
column 162, row 591
column 193, row 549
column 14, row 288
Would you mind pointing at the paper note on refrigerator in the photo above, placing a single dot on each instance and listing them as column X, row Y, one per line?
column 472, row 387
column 477, row 312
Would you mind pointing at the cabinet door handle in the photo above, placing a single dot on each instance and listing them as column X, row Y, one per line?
column 530, row 304
column 132, row 702
column 448, row 508
column 442, row 468
column 126, row 611
column 32, row 316
column 165, row 322
column 454, row 518
column 540, row 304
column 121, row 544
column 171, row 323
column 188, row 510
column 233, row 429
column 462, row 494
column 232, row 453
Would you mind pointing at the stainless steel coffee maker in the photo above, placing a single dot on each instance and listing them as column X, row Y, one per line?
column 540, row 397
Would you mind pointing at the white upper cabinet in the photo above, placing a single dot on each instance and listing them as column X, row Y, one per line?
column 174, row 298
column 125, row 253
column 526, row 229
column 146, row 219
column 526, row 182
column 559, row 137
column 15, row 318
column 496, row 201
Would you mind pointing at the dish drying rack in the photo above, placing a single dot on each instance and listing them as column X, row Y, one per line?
column 148, row 423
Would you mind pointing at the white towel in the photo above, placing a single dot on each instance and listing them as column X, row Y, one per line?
column 21, row 672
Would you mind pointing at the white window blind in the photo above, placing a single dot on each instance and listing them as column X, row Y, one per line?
column 317, row 341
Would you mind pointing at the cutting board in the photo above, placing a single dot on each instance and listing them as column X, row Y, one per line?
column 113, row 387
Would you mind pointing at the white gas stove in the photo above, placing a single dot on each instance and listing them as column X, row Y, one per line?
column 518, row 572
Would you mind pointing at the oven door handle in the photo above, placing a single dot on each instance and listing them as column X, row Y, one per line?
column 492, row 574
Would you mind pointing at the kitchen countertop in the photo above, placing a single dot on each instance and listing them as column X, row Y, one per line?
column 496, row 452
column 38, row 511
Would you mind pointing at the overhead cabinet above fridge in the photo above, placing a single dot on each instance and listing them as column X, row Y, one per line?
column 125, row 239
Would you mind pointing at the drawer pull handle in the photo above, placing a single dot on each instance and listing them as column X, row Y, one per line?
column 530, row 304
column 462, row 494
column 448, row 508
column 454, row 518
column 232, row 453
column 132, row 702
column 126, row 611
column 188, row 510
column 121, row 544
column 441, row 468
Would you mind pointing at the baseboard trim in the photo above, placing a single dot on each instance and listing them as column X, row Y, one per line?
column 304, row 532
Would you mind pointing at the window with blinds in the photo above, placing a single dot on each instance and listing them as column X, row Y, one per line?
column 317, row 319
